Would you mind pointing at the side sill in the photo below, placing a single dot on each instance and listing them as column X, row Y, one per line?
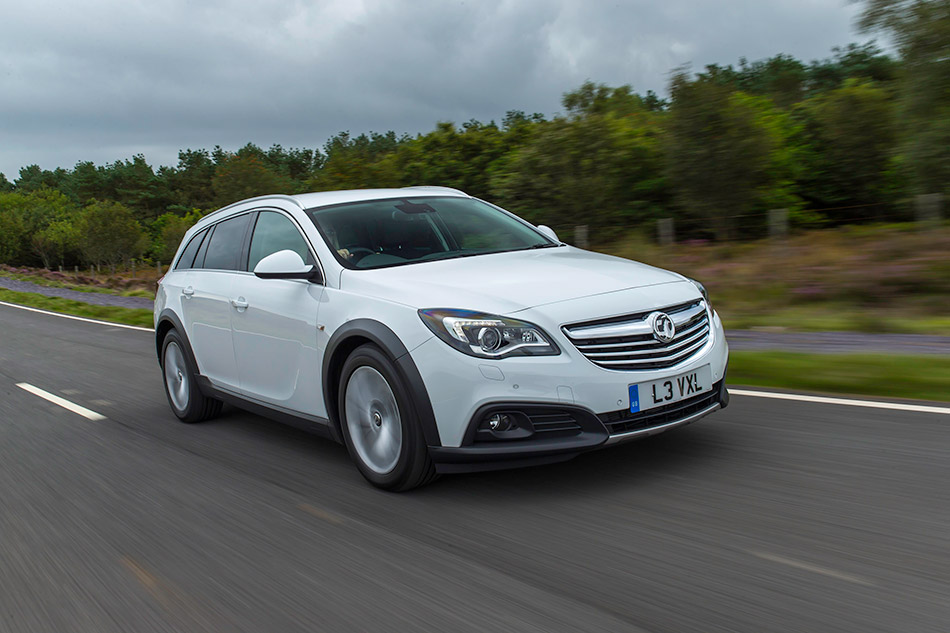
column 310, row 423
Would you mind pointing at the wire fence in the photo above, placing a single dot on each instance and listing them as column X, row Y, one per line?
column 926, row 211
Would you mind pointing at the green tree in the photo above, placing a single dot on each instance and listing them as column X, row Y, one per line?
column 726, row 153
column 855, row 61
column 168, row 231
column 603, row 170
column 190, row 183
column 33, row 178
column 13, row 233
column 108, row 233
column 353, row 162
column 5, row 185
column 55, row 242
column 239, row 177
column 850, row 133
column 921, row 29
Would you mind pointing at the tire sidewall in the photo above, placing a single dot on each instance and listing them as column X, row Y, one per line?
column 191, row 410
column 412, row 443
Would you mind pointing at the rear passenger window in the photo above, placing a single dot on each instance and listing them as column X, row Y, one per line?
column 275, row 232
column 227, row 242
column 187, row 258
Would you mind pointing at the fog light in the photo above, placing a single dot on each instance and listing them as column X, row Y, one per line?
column 499, row 422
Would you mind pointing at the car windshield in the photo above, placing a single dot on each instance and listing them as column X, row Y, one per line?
column 394, row 232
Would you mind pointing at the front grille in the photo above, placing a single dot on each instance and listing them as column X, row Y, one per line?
column 627, row 343
column 624, row 421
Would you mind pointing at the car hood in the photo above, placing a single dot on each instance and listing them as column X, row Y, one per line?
column 504, row 283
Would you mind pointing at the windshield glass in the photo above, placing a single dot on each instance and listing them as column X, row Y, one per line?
column 394, row 232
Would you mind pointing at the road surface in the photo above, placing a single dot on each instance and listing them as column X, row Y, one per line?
column 772, row 515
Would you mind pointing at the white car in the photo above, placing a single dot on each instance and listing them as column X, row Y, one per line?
column 430, row 332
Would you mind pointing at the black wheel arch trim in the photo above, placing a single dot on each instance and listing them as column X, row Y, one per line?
column 379, row 334
column 167, row 320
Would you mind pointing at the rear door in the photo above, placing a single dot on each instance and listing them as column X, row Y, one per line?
column 275, row 330
column 206, row 300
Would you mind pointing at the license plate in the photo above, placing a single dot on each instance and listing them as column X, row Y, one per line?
column 647, row 395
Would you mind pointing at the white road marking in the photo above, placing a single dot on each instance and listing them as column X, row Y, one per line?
column 843, row 401
column 812, row 568
column 76, row 318
column 66, row 404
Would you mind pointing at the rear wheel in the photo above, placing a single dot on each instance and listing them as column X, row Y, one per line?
column 181, row 386
column 378, row 423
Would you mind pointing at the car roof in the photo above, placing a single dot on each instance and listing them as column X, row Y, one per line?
column 327, row 198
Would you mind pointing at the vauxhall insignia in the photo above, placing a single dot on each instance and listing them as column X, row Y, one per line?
column 663, row 327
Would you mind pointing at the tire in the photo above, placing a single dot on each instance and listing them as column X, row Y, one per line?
column 181, row 386
column 378, row 422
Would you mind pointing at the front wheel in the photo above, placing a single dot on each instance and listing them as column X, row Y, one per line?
column 378, row 423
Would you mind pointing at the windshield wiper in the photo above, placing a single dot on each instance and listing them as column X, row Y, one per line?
column 545, row 245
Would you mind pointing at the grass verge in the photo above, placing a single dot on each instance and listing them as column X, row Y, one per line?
column 128, row 316
column 888, row 376
column 39, row 280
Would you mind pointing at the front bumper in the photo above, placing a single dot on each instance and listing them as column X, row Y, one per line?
column 593, row 431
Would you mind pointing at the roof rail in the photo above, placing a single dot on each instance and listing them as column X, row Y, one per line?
column 437, row 188
column 267, row 197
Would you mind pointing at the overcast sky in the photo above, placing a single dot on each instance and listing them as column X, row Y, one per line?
column 105, row 79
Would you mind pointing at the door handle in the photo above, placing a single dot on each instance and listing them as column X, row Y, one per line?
column 188, row 291
column 240, row 303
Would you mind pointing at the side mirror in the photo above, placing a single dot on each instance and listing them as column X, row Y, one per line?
column 547, row 231
column 286, row 265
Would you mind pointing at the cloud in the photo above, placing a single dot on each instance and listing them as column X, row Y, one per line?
column 105, row 79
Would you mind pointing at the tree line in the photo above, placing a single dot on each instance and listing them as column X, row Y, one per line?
column 833, row 141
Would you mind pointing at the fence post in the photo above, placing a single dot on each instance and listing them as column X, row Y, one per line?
column 778, row 223
column 928, row 209
column 580, row 236
column 60, row 268
column 664, row 231
column 133, row 268
column 159, row 266
column 76, row 269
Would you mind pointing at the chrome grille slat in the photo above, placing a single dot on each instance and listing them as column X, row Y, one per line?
column 594, row 348
column 674, row 346
column 626, row 342
column 632, row 327
column 671, row 359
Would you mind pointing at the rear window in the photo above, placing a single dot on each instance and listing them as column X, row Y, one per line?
column 227, row 243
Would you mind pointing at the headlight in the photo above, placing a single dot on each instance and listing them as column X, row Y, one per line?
column 487, row 335
column 702, row 290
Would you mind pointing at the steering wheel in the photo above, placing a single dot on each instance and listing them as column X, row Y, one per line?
column 358, row 252
column 353, row 250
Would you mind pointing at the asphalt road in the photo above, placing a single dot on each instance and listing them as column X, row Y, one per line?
column 769, row 516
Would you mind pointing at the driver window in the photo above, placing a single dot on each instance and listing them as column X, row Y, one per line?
column 275, row 232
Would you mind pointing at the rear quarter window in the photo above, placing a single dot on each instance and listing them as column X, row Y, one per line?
column 187, row 258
